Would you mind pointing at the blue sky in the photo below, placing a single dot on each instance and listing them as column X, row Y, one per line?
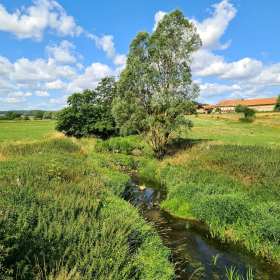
column 50, row 49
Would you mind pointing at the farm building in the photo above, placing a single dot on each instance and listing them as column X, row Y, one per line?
column 264, row 104
column 204, row 109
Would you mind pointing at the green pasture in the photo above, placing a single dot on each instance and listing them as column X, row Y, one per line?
column 26, row 130
column 234, row 132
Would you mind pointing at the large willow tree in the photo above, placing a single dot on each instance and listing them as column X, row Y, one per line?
column 156, row 86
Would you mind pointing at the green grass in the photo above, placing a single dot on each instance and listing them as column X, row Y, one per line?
column 235, row 133
column 26, row 131
column 63, row 213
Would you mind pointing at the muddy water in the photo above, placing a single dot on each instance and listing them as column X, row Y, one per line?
column 192, row 246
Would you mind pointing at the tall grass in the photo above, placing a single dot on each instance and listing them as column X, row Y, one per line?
column 62, row 217
column 233, row 188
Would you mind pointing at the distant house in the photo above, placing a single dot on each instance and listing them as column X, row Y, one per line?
column 228, row 105
column 265, row 104
column 261, row 105
column 204, row 109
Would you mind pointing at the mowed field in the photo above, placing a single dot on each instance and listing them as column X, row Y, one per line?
column 26, row 131
column 234, row 133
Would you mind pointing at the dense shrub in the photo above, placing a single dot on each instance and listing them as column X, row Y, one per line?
column 249, row 112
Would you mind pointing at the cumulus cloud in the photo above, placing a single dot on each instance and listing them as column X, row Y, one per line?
column 62, row 100
column 40, row 70
column 93, row 74
column 212, row 90
column 63, row 53
column 211, row 29
column 57, row 85
column 32, row 21
column 42, row 93
column 158, row 16
column 107, row 45
column 6, row 86
column 18, row 94
column 12, row 100
column 80, row 66
column 6, row 67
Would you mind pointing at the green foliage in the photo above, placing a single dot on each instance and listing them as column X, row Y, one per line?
column 55, row 115
column 89, row 113
column 218, row 109
column 38, row 115
column 60, row 217
column 240, row 108
column 233, row 274
column 26, row 117
column 209, row 111
column 155, row 88
column 249, row 112
column 127, row 145
column 277, row 104
column 16, row 115
column 47, row 115
column 246, row 120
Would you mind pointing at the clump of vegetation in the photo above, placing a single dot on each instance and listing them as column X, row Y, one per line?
column 277, row 105
column 38, row 115
column 50, row 115
column 89, row 113
column 239, row 108
column 218, row 110
column 247, row 120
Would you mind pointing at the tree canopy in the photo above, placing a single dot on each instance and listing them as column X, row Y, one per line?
column 277, row 104
column 155, row 88
column 89, row 113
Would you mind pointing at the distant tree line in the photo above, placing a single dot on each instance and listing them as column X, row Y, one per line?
column 24, row 115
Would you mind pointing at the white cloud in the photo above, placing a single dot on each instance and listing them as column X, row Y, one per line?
column 64, row 53
column 57, row 85
column 31, row 22
column 6, row 67
column 158, row 16
column 120, row 59
column 107, row 45
column 62, row 100
column 12, row 100
column 212, row 90
column 42, row 93
column 198, row 81
column 93, row 74
column 243, row 69
column 6, row 86
column 211, row 29
column 80, row 66
column 27, row 71
column 18, row 94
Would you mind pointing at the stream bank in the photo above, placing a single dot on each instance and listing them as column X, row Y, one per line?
column 191, row 243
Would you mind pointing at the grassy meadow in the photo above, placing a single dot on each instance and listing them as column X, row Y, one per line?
column 25, row 131
column 231, row 132
column 63, row 208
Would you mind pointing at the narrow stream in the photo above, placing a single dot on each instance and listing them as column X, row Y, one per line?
column 192, row 247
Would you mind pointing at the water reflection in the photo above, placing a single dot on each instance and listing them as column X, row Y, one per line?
column 192, row 247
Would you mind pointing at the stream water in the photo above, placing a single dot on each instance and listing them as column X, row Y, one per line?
column 193, row 247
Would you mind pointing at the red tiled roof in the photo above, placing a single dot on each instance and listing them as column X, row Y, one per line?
column 263, row 101
column 228, row 103
column 209, row 107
